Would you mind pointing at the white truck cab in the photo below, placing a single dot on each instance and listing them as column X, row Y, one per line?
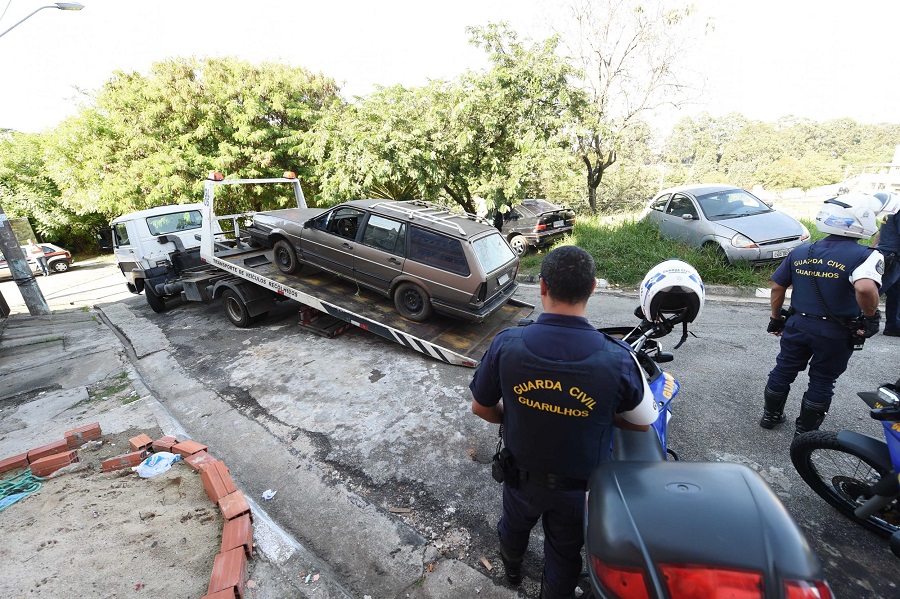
column 145, row 239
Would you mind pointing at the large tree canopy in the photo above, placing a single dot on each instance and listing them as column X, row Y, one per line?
column 148, row 140
column 490, row 135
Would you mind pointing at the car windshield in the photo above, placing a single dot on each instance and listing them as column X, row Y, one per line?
column 492, row 251
column 730, row 203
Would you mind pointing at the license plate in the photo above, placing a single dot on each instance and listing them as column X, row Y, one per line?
column 559, row 223
column 503, row 279
column 780, row 253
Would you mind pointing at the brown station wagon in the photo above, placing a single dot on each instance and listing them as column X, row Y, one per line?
column 426, row 258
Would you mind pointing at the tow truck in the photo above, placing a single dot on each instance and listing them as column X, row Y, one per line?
column 217, row 259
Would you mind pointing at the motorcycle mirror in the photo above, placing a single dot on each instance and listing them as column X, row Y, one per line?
column 663, row 356
column 888, row 395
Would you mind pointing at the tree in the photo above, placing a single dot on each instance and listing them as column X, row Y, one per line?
column 148, row 140
column 628, row 52
column 490, row 135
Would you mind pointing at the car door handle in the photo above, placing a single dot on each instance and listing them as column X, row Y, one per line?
column 393, row 260
column 346, row 246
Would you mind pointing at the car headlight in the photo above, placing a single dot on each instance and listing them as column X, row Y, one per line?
column 742, row 241
column 805, row 235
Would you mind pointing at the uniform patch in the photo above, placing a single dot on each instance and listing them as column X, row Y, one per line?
column 879, row 268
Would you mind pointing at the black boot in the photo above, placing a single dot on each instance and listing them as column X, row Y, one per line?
column 773, row 412
column 512, row 565
column 811, row 417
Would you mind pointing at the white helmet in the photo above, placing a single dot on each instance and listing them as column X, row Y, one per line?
column 849, row 215
column 672, row 290
column 889, row 203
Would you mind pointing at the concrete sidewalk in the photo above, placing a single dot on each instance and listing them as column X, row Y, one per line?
column 52, row 370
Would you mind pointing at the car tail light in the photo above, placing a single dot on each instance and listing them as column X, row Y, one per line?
column 68, row 255
column 690, row 581
column 482, row 292
column 802, row 589
column 620, row 582
column 540, row 227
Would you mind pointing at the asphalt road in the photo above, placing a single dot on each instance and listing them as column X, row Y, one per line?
column 381, row 467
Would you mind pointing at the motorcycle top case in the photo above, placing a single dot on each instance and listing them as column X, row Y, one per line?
column 641, row 514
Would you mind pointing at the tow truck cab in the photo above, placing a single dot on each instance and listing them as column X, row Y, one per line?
column 150, row 238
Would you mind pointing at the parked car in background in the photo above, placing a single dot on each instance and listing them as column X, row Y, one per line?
column 58, row 260
column 727, row 220
column 534, row 224
column 423, row 257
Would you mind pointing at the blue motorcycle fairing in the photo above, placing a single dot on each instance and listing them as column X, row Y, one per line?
column 664, row 388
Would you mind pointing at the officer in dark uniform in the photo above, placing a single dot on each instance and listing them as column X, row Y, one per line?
column 887, row 241
column 834, row 307
column 563, row 385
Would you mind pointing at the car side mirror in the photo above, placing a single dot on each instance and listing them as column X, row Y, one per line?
column 687, row 216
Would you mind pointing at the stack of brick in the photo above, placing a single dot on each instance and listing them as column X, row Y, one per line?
column 47, row 459
column 230, row 566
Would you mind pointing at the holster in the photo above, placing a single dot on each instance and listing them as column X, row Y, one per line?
column 503, row 469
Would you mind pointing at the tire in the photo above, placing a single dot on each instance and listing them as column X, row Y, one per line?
column 236, row 310
column 715, row 250
column 285, row 257
column 843, row 478
column 59, row 266
column 156, row 302
column 519, row 244
column 412, row 302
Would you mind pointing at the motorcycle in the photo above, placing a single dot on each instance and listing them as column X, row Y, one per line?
column 855, row 473
column 661, row 528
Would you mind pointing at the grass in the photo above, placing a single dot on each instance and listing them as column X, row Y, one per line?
column 626, row 250
column 119, row 383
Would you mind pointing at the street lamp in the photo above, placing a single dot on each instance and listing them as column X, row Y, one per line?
column 59, row 5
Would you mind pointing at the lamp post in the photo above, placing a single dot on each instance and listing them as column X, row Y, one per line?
column 9, row 245
column 59, row 5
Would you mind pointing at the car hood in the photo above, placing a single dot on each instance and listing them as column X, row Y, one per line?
column 764, row 226
column 275, row 218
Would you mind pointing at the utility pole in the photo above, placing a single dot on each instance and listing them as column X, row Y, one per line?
column 20, row 271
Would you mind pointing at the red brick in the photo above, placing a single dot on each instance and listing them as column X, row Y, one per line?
column 17, row 461
column 140, row 442
column 226, row 594
column 49, row 449
column 186, row 448
column 164, row 443
column 216, row 479
column 200, row 460
column 238, row 532
column 229, row 572
column 234, row 505
column 81, row 435
column 123, row 461
column 50, row 464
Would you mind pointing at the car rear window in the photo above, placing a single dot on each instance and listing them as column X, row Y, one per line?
column 437, row 250
column 538, row 206
column 492, row 251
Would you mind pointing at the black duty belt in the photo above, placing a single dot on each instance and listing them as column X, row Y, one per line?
column 844, row 322
column 553, row 481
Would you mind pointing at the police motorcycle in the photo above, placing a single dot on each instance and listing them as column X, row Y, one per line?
column 855, row 473
column 661, row 528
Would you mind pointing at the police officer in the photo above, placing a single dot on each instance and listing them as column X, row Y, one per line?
column 834, row 307
column 887, row 241
column 563, row 385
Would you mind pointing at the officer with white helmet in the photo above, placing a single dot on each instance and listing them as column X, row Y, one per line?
column 834, row 308
column 887, row 241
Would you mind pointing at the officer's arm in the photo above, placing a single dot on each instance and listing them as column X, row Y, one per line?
column 620, row 422
column 776, row 299
column 493, row 414
column 866, row 295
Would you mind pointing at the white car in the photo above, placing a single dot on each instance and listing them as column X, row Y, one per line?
column 58, row 260
column 727, row 220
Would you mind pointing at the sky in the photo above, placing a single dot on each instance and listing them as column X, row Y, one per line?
column 764, row 59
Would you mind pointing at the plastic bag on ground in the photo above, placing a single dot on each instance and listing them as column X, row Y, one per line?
column 156, row 463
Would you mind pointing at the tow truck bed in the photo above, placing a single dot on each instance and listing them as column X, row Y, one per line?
column 446, row 339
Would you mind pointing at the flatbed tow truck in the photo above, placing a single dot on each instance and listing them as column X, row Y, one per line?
column 230, row 266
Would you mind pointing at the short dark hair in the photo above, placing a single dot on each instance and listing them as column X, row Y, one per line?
column 569, row 273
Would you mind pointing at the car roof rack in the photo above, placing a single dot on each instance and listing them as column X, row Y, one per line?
column 430, row 212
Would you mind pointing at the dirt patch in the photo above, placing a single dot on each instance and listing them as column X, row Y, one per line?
column 93, row 534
